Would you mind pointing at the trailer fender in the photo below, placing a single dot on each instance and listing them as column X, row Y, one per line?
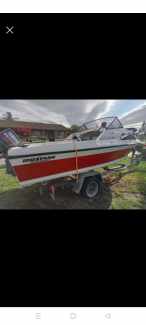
column 82, row 178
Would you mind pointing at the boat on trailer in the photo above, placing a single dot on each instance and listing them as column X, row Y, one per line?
column 98, row 143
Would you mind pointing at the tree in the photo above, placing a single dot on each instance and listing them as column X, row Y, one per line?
column 75, row 128
column 9, row 116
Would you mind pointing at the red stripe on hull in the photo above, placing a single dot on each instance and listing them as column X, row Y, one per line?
column 44, row 169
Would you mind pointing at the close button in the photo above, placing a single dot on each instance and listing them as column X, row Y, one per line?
column 9, row 29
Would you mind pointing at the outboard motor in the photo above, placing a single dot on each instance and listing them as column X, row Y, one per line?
column 8, row 139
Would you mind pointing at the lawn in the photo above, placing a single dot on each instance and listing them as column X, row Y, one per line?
column 128, row 187
column 128, row 191
column 7, row 182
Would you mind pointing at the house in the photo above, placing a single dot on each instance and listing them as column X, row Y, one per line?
column 27, row 129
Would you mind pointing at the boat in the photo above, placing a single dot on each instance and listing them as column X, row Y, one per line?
column 96, row 144
column 141, row 137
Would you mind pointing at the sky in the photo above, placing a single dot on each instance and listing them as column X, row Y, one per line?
column 69, row 112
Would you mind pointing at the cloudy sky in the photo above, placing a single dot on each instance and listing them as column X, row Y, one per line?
column 68, row 112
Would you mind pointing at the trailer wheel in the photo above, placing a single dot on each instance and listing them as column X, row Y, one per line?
column 92, row 187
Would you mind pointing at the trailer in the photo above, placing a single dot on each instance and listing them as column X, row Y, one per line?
column 88, row 185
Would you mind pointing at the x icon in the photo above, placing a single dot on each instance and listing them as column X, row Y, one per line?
column 10, row 30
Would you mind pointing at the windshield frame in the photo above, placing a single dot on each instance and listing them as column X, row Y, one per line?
column 102, row 119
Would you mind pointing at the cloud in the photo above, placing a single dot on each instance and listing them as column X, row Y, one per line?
column 137, row 114
column 109, row 107
column 66, row 112
column 101, row 109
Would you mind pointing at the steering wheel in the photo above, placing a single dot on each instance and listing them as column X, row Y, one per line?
column 123, row 136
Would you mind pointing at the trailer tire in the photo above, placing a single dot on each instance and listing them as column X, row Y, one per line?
column 92, row 187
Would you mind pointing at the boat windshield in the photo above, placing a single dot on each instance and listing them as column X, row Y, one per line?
column 108, row 122
column 92, row 130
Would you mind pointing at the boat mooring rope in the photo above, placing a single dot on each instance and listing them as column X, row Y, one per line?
column 77, row 169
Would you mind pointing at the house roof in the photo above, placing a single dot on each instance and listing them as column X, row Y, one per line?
column 11, row 123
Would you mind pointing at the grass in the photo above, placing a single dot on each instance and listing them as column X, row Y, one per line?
column 7, row 182
column 130, row 191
